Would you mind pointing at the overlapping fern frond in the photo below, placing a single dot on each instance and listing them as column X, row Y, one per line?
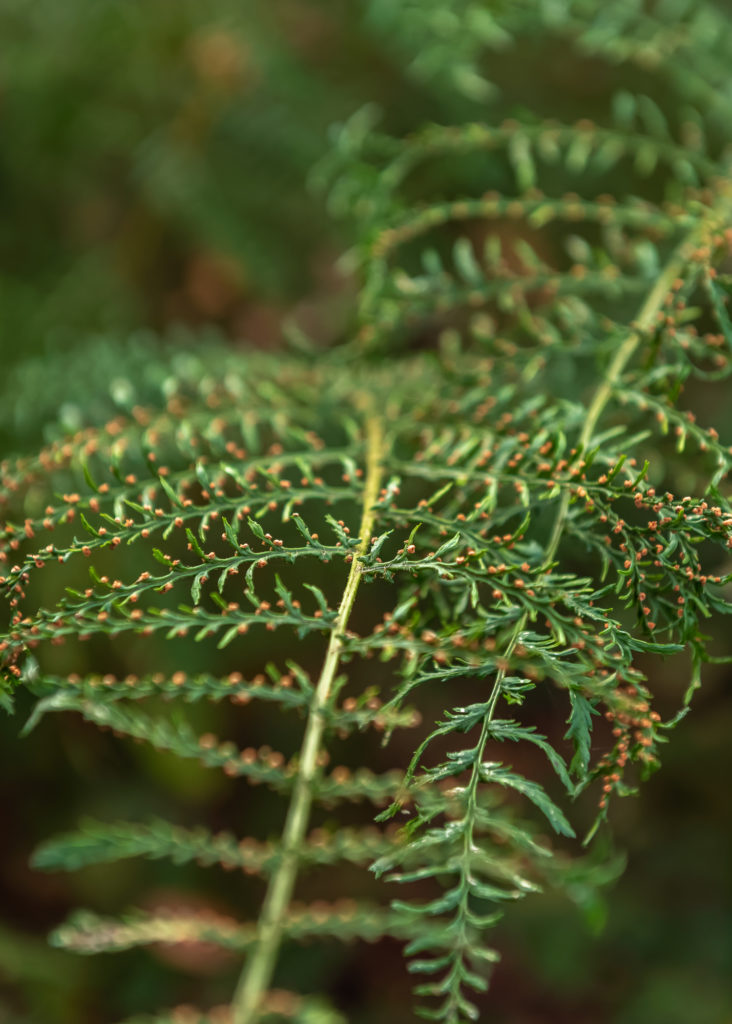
column 472, row 504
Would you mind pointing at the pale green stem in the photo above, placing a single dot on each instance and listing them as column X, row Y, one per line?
column 257, row 974
column 645, row 320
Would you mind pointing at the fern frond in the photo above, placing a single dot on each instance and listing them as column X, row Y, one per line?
column 97, row 842
column 291, row 689
column 473, row 502
column 347, row 920
column 178, row 737
column 278, row 1005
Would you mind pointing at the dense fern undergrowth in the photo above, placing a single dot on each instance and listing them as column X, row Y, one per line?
column 489, row 501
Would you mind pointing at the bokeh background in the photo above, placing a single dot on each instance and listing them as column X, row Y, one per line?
column 156, row 191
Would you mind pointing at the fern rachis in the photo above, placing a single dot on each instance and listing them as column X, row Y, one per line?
column 257, row 979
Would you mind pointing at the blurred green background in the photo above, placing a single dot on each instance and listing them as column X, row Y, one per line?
column 154, row 167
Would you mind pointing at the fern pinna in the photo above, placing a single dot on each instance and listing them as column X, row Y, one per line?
column 471, row 505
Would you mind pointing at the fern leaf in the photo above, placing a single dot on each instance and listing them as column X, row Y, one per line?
column 471, row 503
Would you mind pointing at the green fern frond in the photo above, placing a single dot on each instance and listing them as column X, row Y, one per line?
column 469, row 506
column 462, row 539
column 291, row 689
column 279, row 1005
column 96, row 842
column 346, row 920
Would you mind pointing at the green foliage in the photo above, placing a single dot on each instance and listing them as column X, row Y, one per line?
column 496, row 458
column 195, row 77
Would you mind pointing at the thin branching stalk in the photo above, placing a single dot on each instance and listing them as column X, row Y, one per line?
column 644, row 322
column 257, row 974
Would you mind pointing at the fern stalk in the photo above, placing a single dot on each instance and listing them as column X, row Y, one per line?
column 644, row 322
column 257, row 974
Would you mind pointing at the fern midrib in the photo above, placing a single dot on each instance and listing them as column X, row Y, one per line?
column 259, row 969
column 644, row 322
